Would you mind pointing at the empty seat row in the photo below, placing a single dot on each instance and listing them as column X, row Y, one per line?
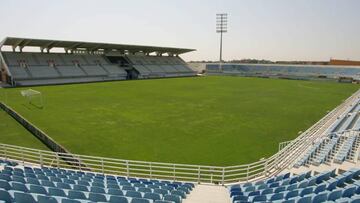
column 39, row 184
column 326, row 186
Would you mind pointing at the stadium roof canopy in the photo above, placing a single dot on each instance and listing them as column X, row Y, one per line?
column 45, row 44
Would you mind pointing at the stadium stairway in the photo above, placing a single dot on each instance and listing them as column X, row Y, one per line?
column 208, row 194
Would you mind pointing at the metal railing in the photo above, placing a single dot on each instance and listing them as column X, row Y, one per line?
column 180, row 172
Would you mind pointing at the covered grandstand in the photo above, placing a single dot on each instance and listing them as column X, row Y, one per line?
column 78, row 62
column 291, row 71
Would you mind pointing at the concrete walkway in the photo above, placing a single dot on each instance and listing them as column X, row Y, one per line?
column 208, row 194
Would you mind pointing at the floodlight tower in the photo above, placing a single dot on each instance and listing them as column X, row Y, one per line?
column 221, row 27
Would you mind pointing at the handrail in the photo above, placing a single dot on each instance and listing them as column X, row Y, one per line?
column 182, row 172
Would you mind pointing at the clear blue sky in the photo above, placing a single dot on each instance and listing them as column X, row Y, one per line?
column 262, row 29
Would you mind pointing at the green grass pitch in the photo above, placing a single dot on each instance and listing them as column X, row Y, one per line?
column 204, row 120
column 13, row 133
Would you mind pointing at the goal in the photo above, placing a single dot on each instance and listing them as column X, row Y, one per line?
column 33, row 97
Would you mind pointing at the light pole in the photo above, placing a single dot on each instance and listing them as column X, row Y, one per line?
column 221, row 27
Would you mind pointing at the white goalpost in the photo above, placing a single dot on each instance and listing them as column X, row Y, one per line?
column 33, row 97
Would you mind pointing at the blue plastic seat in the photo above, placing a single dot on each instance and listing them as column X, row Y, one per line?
column 97, row 184
column 291, row 187
column 139, row 200
column 76, row 195
column 56, row 180
column 152, row 196
column 350, row 191
column 56, row 192
column 19, row 187
column 321, row 197
column 133, row 194
column 70, row 201
column 97, row 190
column 306, row 199
column 277, row 196
column 5, row 196
column 280, row 189
column 306, row 191
column 19, row 179
column 96, row 197
column 112, row 191
column 180, row 193
column 241, row 198
column 47, row 183
column 174, row 198
column 63, row 186
column 184, row 188
column 32, row 181
column 4, row 185
column 253, row 193
column 128, row 188
column 5, row 177
column 259, row 198
column 46, row 199
column 291, row 194
column 118, row 199
column 69, row 181
column 81, row 188
column 112, row 185
column 320, row 188
column 267, row 191
column 21, row 197
column 331, row 184
column 144, row 189
column 37, row 189
column 30, row 175
column 335, row 194
column 82, row 182
column 161, row 191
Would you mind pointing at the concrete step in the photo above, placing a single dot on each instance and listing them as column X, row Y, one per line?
column 208, row 194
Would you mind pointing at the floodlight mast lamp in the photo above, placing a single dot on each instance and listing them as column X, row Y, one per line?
column 221, row 27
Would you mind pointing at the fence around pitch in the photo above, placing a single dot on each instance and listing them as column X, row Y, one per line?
column 128, row 168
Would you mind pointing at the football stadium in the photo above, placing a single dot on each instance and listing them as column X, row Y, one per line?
column 94, row 121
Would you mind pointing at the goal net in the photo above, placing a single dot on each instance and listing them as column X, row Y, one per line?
column 33, row 97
